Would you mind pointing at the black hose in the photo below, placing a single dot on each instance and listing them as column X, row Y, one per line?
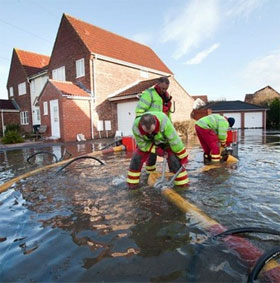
column 108, row 145
column 265, row 258
column 47, row 152
column 64, row 154
column 247, row 230
column 77, row 158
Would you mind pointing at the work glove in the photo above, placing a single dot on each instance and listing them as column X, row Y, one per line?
column 160, row 151
column 184, row 161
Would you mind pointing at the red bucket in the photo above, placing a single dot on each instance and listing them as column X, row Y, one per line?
column 231, row 137
column 129, row 143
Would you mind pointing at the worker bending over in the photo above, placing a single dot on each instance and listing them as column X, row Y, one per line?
column 212, row 133
column 155, row 134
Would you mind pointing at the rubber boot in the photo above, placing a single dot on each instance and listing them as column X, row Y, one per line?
column 206, row 159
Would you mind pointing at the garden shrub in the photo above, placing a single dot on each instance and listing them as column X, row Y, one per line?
column 12, row 136
column 11, row 127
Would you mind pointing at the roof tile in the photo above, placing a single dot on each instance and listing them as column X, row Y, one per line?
column 109, row 44
column 32, row 62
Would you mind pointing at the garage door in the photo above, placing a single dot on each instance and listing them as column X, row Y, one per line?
column 253, row 120
column 126, row 116
column 237, row 117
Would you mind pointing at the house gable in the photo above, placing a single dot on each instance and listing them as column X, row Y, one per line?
column 68, row 48
column 262, row 95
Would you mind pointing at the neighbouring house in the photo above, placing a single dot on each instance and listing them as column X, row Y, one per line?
column 27, row 76
column 263, row 95
column 199, row 101
column 103, row 65
column 65, row 110
column 246, row 115
column 9, row 114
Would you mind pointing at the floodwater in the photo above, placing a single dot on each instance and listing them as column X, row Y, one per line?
column 83, row 225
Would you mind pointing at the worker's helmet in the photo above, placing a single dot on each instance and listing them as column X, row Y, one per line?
column 231, row 121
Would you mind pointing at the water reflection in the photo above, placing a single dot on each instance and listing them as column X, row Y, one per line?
column 87, row 226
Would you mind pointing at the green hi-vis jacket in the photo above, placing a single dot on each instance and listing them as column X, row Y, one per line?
column 217, row 123
column 150, row 101
column 166, row 135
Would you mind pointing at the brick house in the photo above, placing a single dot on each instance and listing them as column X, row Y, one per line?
column 265, row 94
column 66, row 110
column 102, row 64
column 27, row 76
column 9, row 114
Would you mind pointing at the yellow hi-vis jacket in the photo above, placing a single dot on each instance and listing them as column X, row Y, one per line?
column 217, row 123
column 150, row 101
column 166, row 135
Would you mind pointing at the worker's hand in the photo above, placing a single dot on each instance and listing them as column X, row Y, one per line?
column 160, row 151
column 184, row 161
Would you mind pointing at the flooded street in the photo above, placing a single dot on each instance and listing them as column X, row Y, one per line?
column 83, row 225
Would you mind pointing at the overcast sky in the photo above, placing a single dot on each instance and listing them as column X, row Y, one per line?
column 220, row 48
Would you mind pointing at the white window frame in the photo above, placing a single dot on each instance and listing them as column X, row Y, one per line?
column 24, row 118
column 11, row 90
column 59, row 74
column 45, row 106
column 80, row 68
column 22, row 88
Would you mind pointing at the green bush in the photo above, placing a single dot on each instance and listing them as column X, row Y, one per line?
column 12, row 136
column 273, row 114
column 11, row 127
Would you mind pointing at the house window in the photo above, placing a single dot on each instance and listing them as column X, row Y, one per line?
column 45, row 105
column 144, row 74
column 11, row 91
column 59, row 74
column 80, row 68
column 24, row 118
column 22, row 88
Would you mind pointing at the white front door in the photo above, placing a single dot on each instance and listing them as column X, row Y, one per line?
column 55, row 118
column 36, row 119
column 126, row 116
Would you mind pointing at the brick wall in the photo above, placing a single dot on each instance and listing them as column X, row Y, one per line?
column 17, row 76
column 49, row 93
column 182, row 100
column 75, row 119
column 9, row 118
column 67, row 49
column 199, row 113
column 265, row 95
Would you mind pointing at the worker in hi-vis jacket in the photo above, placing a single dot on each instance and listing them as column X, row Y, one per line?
column 154, row 133
column 155, row 99
column 212, row 133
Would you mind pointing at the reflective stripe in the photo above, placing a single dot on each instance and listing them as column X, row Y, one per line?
column 145, row 102
column 182, row 182
column 181, row 156
column 163, row 123
column 136, row 174
column 150, row 167
column 156, row 106
column 132, row 181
